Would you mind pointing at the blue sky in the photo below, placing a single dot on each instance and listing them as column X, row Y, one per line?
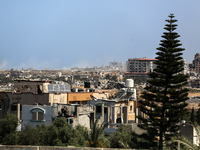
column 68, row 33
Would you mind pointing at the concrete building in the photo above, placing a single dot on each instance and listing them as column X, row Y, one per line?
column 83, row 97
column 114, row 112
column 33, row 115
column 39, row 87
column 143, row 66
column 116, row 65
column 47, row 93
column 12, row 103
column 196, row 63
column 139, row 66
column 191, row 133
column 185, row 67
column 120, row 109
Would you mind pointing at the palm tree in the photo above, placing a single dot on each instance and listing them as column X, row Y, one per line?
column 187, row 144
column 96, row 136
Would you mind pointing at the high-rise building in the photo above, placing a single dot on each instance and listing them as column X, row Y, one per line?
column 140, row 65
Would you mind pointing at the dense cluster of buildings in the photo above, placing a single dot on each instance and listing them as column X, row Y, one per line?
column 37, row 102
column 83, row 95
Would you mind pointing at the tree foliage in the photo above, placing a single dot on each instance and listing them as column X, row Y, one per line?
column 122, row 137
column 95, row 136
column 60, row 133
column 8, row 130
column 164, row 98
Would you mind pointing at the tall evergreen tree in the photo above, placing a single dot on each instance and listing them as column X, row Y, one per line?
column 165, row 95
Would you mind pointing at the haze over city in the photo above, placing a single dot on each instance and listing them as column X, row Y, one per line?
column 64, row 34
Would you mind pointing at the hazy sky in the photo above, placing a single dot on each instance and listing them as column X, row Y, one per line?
column 59, row 34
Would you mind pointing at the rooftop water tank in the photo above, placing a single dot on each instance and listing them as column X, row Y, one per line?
column 80, row 90
column 92, row 90
column 87, row 84
column 129, row 83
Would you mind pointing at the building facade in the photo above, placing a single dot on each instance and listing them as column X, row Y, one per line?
column 196, row 63
column 41, row 93
column 140, row 65
column 33, row 115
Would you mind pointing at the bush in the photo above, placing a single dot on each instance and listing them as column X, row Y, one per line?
column 8, row 130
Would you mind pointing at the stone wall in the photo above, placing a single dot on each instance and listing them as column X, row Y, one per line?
column 16, row 147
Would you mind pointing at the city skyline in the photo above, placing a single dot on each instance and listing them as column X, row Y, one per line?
column 66, row 34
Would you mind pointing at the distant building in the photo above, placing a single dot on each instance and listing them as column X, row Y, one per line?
column 185, row 67
column 139, row 66
column 196, row 63
column 143, row 66
column 116, row 65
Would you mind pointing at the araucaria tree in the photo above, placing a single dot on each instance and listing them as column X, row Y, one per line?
column 163, row 103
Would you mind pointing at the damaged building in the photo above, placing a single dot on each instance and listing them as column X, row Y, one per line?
column 75, row 114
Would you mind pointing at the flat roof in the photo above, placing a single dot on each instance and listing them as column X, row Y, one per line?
column 41, row 81
column 137, row 72
column 147, row 59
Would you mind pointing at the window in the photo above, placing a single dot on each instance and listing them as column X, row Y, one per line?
column 131, row 108
column 105, row 110
column 98, row 109
column 37, row 114
column 40, row 116
column 14, row 107
column 34, row 115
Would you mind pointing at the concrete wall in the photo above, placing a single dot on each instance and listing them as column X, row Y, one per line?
column 25, row 99
column 101, row 95
column 28, row 86
column 131, row 110
column 16, row 147
column 29, row 98
column 43, row 99
column 84, row 120
column 83, row 116
column 58, row 98
column 190, row 133
column 33, row 99
column 78, row 97
column 27, row 115
column 119, row 112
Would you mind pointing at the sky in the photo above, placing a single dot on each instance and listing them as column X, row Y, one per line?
column 85, row 33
